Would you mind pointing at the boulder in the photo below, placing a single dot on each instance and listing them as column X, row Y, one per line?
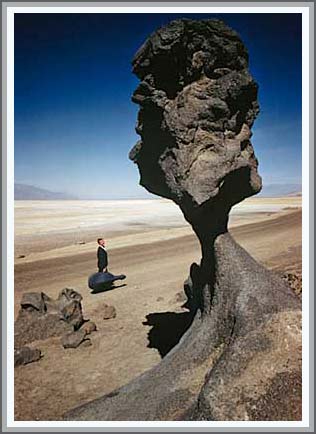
column 73, row 339
column 25, row 355
column 72, row 313
column 230, row 363
column 67, row 295
column 240, row 359
column 33, row 301
column 195, row 117
column 32, row 326
column 41, row 317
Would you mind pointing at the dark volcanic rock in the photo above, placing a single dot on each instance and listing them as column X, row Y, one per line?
column 41, row 317
column 66, row 295
column 25, row 355
column 73, row 339
column 33, row 326
column 33, row 301
column 241, row 357
column 72, row 313
column 198, row 102
column 238, row 354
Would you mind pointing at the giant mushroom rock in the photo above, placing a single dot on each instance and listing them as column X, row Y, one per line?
column 241, row 357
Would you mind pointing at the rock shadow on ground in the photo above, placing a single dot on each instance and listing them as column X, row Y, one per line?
column 167, row 329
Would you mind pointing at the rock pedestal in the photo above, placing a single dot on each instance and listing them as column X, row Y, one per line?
column 241, row 357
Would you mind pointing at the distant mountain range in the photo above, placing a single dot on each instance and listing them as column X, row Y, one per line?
column 29, row 192
column 275, row 190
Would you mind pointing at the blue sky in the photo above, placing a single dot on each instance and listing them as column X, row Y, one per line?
column 74, row 120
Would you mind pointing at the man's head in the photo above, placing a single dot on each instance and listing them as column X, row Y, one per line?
column 101, row 242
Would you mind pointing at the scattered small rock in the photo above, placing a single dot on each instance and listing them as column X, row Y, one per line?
column 21, row 256
column 25, row 355
column 109, row 312
column 73, row 339
column 160, row 299
column 81, row 242
column 89, row 327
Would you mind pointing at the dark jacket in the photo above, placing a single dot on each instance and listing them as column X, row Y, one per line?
column 102, row 259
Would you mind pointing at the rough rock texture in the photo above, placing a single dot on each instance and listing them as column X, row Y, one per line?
column 33, row 301
column 295, row 282
column 198, row 102
column 73, row 339
column 241, row 357
column 25, row 355
column 246, row 352
column 41, row 317
column 33, row 326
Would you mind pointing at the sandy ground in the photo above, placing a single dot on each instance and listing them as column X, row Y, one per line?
column 156, row 259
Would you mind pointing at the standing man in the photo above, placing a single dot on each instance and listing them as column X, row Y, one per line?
column 102, row 256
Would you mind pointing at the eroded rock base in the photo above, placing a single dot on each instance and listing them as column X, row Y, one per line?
column 245, row 351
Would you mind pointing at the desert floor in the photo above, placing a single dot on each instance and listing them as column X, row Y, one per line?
column 149, row 242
